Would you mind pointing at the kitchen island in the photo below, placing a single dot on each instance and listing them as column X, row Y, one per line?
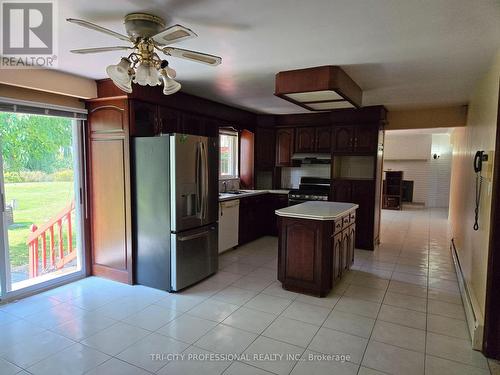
column 316, row 245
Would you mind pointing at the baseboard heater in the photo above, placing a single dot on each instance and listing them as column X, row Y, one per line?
column 472, row 312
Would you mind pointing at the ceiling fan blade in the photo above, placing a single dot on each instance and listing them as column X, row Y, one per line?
column 173, row 34
column 95, row 27
column 203, row 58
column 99, row 49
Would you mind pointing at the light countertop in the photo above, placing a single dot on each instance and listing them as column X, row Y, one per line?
column 248, row 193
column 317, row 210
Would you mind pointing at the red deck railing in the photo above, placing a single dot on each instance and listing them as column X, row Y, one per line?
column 58, row 259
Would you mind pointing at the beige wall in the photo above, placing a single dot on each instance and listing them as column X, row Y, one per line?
column 51, row 81
column 479, row 134
column 19, row 93
column 442, row 117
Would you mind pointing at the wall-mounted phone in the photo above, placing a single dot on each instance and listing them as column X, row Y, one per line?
column 479, row 159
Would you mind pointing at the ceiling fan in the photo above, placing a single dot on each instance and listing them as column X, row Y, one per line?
column 147, row 35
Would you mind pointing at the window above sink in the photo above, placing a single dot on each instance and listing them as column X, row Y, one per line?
column 229, row 154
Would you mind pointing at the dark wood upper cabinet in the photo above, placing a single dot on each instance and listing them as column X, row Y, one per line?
column 246, row 161
column 265, row 145
column 169, row 120
column 355, row 139
column 324, row 139
column 305, row 140
column 144, row 119
column 343, row 138
column 313, row 139
column 191, row 124
column 284, row 147
column 365, row 139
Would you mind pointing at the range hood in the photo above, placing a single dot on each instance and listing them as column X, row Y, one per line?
column 303, row 158
column 323, row 88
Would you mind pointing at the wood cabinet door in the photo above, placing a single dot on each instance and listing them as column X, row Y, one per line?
column 352, row 244
column 284, row 147
column 246, row 161
column 144, row 119
column 169, row 120
column 243, row 221
column 249, row 220
column 305, row 140
column 265, row 148
column 341, row 191
column 191, row 124
column 336, row 256
column 303, row 252
column 110, row 201
column 345, row 262
column 324, row 139
column 365, row 139
column 343, row 138
column 363, row 194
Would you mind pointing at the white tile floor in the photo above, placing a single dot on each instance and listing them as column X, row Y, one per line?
column 398, row 312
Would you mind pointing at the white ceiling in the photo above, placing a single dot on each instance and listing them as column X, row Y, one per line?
column 403, row 53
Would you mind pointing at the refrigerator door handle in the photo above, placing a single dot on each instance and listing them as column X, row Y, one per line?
column 205, row 180
column 194, row 236
column 199, row 187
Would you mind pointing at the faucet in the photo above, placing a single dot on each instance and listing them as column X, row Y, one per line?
column 224, row 183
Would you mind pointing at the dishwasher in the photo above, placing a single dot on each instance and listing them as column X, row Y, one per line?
column 229, row 214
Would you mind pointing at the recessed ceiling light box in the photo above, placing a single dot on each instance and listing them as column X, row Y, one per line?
column 322, row 88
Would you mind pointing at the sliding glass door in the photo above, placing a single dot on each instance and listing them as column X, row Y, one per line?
column 40, row 182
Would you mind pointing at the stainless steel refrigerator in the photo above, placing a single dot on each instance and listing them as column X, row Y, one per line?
column 175, row 201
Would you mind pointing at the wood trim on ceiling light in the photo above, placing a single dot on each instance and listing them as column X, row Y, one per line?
column 293, row 85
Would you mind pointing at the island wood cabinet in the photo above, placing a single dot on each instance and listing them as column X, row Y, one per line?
column 314, row 254
column 313, row 139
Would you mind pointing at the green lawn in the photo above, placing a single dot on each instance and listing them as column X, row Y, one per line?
column 37, row 202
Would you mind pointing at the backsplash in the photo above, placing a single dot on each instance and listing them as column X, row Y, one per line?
column 290, row 177
column 231, row 184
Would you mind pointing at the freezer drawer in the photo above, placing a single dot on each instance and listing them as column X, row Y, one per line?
column 193, row 255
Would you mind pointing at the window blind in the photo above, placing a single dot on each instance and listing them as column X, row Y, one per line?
column 35, row 108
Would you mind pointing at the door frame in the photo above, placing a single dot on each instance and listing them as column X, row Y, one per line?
column 491, row 337
column 6, row 295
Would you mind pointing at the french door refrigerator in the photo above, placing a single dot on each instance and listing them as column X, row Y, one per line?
column 175, row 209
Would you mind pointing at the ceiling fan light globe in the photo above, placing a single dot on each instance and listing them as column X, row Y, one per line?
column 153, row 76
column 141, row 75
column 169, row 85
column 119, row 74
column 171, row 73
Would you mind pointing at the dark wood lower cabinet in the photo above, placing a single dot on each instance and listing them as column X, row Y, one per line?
column 361, row 192
column 257, row 217
column 251, row 225
column 314, row 254
column 275, row 202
